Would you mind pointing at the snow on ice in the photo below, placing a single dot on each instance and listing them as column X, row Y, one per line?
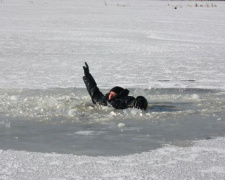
column 204, row 160
column 144, row 44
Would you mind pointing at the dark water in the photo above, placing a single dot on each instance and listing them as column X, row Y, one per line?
column 65, row 121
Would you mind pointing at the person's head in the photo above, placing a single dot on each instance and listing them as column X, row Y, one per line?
column 114, row 92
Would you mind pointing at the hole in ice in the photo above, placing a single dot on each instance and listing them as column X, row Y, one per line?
column 66, row 121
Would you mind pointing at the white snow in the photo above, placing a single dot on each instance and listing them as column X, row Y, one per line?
column 204, row 160
column 44, row 43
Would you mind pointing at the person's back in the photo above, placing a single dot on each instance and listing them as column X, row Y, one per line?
column 117, row 97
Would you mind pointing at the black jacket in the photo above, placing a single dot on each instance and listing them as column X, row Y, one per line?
column 121, row 101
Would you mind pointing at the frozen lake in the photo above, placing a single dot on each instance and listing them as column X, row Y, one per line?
column 146, row 44
column 65, row 121
column 173, row 57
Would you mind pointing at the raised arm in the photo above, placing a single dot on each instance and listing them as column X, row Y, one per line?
column 93, row 90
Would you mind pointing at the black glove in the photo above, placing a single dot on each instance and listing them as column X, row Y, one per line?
column 86, row 69
column 140, row 103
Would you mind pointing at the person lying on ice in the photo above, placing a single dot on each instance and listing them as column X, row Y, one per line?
column 117, row 96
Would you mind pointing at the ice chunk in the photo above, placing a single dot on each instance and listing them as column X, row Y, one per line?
column 113, row 113
column 121, row 125
column 85, row 133
column 195, row 97
column 14, row 98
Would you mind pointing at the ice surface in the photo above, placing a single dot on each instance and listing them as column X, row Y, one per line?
column 146, row 44
column 134, row 44
column 204, row 160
